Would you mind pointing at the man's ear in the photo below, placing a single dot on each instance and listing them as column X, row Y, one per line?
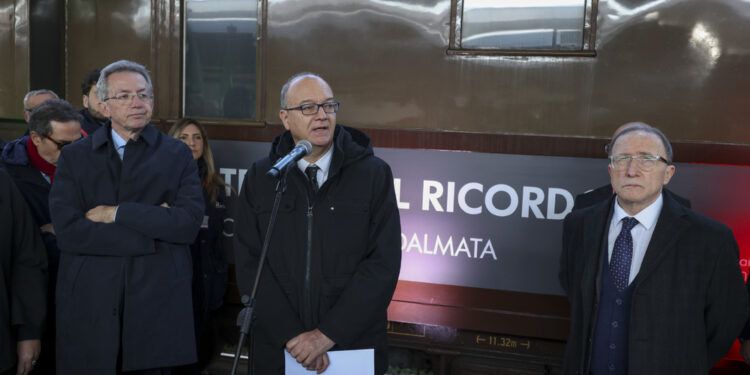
column 104, row 109
column 35, row 138
column 284, row 116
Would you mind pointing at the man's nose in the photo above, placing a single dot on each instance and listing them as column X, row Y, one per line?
column 136, row 101
column 632, row 169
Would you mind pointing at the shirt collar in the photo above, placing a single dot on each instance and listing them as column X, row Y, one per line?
column 324, row 163
column 647, row 217
column 117, row 140
column 149, row 134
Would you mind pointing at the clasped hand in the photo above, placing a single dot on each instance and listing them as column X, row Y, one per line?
column 309, row 349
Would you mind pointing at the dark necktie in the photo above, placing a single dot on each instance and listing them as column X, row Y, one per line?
column 312, row 174
column 622, row 254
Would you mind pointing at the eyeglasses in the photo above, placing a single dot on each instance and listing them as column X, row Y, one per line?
column 312, row 108
column 128, row 98
column 59, row 144
column 642, row 162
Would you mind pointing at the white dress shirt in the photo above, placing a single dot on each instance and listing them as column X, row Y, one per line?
column 324, row 165
column 641, row 233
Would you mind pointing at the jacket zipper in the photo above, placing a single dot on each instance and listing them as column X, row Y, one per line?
column 308, row 260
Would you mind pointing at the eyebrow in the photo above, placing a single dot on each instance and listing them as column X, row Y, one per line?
column 309, row 101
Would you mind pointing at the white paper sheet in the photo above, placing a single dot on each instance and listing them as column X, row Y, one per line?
column 343, row 362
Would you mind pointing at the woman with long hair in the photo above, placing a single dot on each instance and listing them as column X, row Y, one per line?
column 209, row 262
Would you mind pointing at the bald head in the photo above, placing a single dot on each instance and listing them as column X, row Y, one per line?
column 292, row 81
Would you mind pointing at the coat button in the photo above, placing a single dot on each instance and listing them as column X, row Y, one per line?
column 615, row 324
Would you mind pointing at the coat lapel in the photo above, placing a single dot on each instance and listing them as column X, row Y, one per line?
column 595, row 232
column 669, row 227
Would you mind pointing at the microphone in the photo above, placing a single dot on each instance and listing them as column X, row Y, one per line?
column 299, row 151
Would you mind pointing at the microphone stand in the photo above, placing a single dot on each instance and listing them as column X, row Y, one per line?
column 245, row 318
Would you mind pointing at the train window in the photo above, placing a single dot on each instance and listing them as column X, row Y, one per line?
column 220, row 58
column 523, row 26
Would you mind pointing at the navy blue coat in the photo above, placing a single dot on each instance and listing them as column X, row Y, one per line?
column 35, row 190
column 125, row 286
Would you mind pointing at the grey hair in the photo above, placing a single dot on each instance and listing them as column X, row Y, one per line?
column 645, row 129
column 102, row 85
column 293, row 80
column 35, row 93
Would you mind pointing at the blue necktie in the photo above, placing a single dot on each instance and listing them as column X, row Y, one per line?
column 622, row 254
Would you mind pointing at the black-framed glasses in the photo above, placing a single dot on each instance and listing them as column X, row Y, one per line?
column 59, row 144
column 642, row 162
column 125, row 97
column 313, row 108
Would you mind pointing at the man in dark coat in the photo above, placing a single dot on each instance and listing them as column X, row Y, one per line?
column 91, row 118
column 665, row 295
column 334, row 254
column 23, row 264
column 31, row 161
column 126, row 203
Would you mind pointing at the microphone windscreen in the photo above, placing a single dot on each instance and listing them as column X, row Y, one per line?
column 306, row 144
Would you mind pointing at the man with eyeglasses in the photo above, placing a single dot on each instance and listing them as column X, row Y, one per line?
column 126, row 205
column 654, row 287
column 603, row 193
column 31, row 161
column 334, row 257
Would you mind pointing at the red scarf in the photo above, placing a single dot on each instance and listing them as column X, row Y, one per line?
column 38, row 162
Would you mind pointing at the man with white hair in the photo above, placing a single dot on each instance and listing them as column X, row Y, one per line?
column 126, row 205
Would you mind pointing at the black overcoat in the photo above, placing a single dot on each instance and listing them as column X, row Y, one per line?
column 334, row 257
column 125, row 287
column 689, row 300
column 23, row 273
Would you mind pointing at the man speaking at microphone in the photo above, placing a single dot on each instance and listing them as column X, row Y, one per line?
column 335, row 251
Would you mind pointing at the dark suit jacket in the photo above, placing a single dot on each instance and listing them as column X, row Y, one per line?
column 604, row 193
column 689, row 299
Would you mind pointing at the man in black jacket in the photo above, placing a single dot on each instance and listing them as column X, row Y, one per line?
column 334, row 254
column 91, row 118
column 24, row 285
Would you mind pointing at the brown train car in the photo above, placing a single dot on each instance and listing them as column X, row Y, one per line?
column 420, row 75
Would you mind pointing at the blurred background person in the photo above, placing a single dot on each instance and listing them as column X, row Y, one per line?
column 35, row 97
column 92, row 119
column 209, row 262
